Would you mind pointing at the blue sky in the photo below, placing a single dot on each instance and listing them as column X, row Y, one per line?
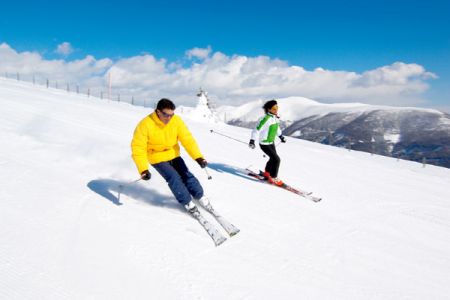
column 352, row 36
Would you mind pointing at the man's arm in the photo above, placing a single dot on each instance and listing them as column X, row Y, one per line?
column 188, row 141
column 139, row 148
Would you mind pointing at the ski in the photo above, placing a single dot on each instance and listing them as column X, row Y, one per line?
column 285, row 186
column 212, row 231
column 229, row 228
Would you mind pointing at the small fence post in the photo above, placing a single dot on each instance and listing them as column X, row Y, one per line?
column 132, row 100
column 89, row 93
column 48, row 83
column 78, row 89
column 424, row 162
column 18, row 76
column 372, row 146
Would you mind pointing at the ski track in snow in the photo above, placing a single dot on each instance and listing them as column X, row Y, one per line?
column 380, row 232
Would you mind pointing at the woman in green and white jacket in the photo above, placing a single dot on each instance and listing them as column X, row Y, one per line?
column 268, row 128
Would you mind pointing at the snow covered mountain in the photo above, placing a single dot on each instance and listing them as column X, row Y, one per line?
column 380, row 232
column 409, row 133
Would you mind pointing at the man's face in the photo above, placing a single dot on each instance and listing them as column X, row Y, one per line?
column 165, row 115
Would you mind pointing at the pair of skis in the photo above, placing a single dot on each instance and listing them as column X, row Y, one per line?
column 302, row 193
column 212, row 230
column 232, row 230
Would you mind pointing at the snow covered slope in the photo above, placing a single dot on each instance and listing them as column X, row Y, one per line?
column 381, row 232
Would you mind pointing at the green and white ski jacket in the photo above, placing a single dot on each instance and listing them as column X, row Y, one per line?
column 268, row 128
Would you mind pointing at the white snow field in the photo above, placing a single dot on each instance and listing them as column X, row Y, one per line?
column 382, row 230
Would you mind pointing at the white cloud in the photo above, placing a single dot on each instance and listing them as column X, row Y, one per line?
column 228, row 79
column 28, row 64
column 64, row 49
column 141, row 71
column 200, row 53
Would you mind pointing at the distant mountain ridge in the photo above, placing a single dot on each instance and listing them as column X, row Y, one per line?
column 408, row 133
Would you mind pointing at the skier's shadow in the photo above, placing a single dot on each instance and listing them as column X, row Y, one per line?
column 114, row 190
column 223, row 168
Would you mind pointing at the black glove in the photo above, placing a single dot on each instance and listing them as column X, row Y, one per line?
column 282, row 138
column 202, row 162
column 146, row 175
column 251, row 144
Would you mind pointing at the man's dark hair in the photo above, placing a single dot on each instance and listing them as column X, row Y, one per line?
column 269, row 104
column 165, row 103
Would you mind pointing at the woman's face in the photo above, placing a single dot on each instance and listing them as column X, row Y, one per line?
column 274, row 109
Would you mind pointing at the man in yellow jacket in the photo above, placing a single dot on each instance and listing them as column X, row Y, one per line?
column 155, row 141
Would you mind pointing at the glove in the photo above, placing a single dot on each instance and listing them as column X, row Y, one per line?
column 282, row 138
column 202, row 162
column 146, row 175
column 251, row 144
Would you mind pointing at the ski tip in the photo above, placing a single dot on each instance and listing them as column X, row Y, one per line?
column 220, row 242
column 234, row 233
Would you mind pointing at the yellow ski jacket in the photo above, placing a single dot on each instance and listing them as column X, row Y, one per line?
column 154, row 142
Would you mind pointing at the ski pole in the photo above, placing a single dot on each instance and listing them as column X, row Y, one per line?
column 207, row 174
column 121, row 186
column 232, row 138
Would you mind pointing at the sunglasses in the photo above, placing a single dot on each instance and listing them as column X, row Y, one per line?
column 166, row 115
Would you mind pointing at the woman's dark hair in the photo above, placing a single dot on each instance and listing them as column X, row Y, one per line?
column 165, row 103
column 269, row 104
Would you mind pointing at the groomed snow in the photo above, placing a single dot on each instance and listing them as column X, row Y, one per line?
column 381, row 232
